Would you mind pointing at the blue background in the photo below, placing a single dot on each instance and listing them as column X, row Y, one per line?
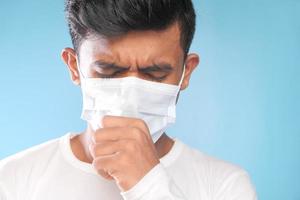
column 242, row 104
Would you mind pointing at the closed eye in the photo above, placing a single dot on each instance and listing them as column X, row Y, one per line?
column 156, row 72
column 111, row 74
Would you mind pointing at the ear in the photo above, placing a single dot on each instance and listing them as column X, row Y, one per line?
column 69, row 57
column 191, row 63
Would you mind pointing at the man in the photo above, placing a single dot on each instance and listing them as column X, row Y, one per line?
column 130, row 58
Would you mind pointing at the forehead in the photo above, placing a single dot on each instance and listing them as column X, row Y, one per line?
column 139, row 46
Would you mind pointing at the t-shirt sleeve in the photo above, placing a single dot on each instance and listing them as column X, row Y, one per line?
column 238, row 186
column 157, row 185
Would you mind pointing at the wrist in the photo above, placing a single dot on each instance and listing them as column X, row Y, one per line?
column 150, row 180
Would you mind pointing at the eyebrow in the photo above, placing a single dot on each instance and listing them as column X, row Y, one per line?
column 163, row 67
column 107, row 65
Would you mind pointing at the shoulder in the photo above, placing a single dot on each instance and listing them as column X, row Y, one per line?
column 31, row 154
column 222, row 176
column 205, row 162
column 20, row 167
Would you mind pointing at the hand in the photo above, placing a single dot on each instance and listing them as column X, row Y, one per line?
column 123, row 150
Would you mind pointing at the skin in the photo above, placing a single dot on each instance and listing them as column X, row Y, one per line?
column 123, row 149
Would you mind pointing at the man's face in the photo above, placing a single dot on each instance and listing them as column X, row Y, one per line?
column 150, row 55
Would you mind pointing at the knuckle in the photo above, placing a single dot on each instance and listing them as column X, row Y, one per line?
column 104, row 174
column 141, row 123
column 138, row 134
column 135, row 131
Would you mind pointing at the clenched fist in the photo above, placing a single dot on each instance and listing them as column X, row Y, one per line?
column 123, row 150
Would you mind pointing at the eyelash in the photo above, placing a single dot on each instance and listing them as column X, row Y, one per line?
column 110, row 75
column 158, row 79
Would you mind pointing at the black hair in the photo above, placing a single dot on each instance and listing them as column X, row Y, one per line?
column 110, row 18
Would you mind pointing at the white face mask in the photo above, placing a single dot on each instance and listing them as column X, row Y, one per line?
column 153, row 102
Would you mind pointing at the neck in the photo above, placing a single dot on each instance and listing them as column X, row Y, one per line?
column 81, row 142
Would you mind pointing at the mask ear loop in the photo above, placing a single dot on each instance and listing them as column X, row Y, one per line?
column 182, row 76
column 79, row 69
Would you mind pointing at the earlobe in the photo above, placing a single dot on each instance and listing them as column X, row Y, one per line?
column 69, row 57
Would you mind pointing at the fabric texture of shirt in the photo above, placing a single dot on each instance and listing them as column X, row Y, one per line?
column 51, row 171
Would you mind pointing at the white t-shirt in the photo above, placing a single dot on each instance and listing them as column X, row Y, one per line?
column 50, row 171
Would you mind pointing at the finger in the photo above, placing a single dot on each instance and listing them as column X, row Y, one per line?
column 105, row 175
column 117, row 133
column 117, row 121
column 109, row 164
column 107, row 148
